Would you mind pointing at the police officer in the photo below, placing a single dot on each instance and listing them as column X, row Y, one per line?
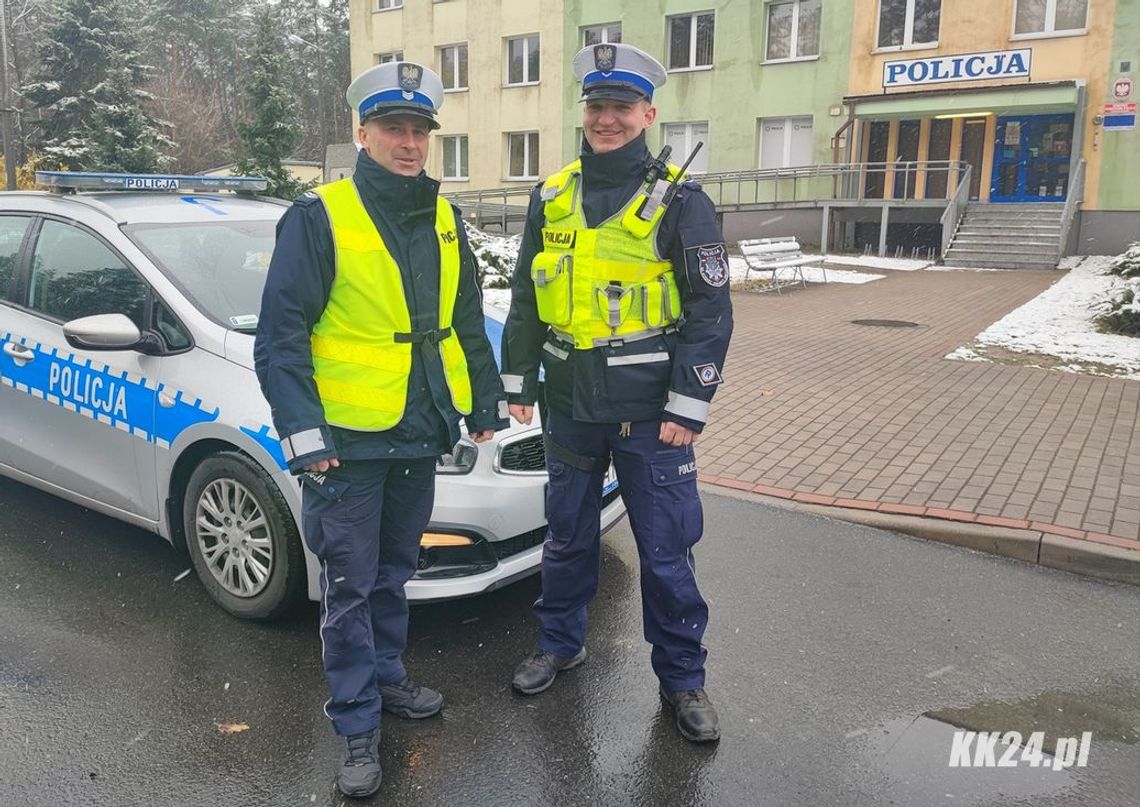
column 621, row 293
column 371, row 345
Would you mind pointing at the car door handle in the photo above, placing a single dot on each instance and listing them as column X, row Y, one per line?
column 19, row 352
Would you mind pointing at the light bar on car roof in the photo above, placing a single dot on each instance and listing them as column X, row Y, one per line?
column 85, row 181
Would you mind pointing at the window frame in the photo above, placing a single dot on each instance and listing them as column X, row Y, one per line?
column 1048, row 33
column 690, row 140
column 397, row 56
column 465, row 176
column 527, row 80
column 526, row 155
column 908, row 30
column 604, row 27
column 393, row 5
column 785, row 161
column 691, row 67
column 467, row 56
column 795, row 35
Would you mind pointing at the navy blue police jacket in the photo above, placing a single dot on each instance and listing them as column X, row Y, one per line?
column 595, row 385
column 297, row 290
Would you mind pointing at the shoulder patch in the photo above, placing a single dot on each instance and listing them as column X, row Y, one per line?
column 712, row 263
column 708, row 375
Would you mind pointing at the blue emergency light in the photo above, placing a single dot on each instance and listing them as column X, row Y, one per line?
column 87, row 181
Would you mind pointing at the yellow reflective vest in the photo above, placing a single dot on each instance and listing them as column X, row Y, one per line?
column 362, row 344
column 607, row 282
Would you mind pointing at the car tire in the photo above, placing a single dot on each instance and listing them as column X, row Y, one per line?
column 230, row 493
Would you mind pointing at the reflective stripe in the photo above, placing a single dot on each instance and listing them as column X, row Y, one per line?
column 637, row 358
column 632, row 337
column 556, row 352
column 512, row 383
column 504, row 412
column 303, row 443
column 287, row 450
column 686, row 407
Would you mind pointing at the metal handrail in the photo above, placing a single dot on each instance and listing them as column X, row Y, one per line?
column 955, row 209
column 1072, row 203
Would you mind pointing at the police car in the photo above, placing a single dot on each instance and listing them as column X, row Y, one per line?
column 128, row 306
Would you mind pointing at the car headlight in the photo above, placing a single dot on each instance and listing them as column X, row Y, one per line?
column 460, row 460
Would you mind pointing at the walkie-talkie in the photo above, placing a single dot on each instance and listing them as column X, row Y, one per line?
column 663, row 192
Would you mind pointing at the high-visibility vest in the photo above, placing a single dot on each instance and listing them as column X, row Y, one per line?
column 362, row 344
column 606, row 282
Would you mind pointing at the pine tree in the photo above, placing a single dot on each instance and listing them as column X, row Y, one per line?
column 273, row 132
column 90, row 92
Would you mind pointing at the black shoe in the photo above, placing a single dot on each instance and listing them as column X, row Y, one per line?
column 359, row 776
column 409, row 700
column 536, row 673
column 696, row 717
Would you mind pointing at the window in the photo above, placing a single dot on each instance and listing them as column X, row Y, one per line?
column 12, row 229
column 905, row 23
column 522, row 60
column 393, row 56
column 597, row 34
column 74, row 274
column 453, row 66
column 1050, row 16
column 683, row 137
column 793, row 30
column 454, row 156
column 691, row 41
column 385, row 5
column 522, row 155
column 785, row 142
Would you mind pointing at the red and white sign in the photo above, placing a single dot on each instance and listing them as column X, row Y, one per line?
column 1120, row 109
column 1122, row 88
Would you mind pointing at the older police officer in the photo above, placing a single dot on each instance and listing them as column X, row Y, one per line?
column 370, row 347
column 621, row 293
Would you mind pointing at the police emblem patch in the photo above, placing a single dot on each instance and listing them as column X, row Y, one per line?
column 712, row 262
column 604, row 56
column 707, row 374
column 410, row 77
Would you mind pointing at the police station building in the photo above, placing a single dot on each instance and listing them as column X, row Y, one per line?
column 1037, row 97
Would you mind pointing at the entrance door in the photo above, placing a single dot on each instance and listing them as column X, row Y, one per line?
column 906, row 161
column 1031, row 158
column 973, row 151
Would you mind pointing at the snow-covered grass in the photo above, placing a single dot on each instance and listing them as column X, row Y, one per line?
column 1056, row 328
column 737, row 269
column 875, row 262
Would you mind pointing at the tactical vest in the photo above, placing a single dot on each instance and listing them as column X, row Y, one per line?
column 606, row 282
column 362, row 344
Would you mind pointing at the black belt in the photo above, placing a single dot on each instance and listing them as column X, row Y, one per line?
column 417, row 337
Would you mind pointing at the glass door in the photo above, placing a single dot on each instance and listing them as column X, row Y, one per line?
column 1031, row 158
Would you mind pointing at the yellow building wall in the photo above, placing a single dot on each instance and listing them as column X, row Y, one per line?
column 973, row 26
column 488, row 109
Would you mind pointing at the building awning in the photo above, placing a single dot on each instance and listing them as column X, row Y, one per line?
column 1024, row 99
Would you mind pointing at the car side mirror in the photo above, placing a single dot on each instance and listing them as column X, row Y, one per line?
column 104, row 332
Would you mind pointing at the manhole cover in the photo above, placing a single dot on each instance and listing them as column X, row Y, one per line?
column 886, row 323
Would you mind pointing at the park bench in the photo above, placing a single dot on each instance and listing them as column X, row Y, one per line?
column 777, row 255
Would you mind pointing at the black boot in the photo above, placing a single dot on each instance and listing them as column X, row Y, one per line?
column 536, row 673
column 359, row 776
column 409, row 700
column 696, row 717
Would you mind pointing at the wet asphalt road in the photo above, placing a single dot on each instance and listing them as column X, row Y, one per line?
column 835, row 651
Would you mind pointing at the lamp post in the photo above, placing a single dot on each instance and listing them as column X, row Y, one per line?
column 6, row 129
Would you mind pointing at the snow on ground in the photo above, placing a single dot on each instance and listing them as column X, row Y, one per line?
column 1059, row 323
column 875, row 262
column 812, row 274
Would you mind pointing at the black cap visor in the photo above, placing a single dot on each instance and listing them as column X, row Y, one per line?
column 614, row 92
column 390, row 110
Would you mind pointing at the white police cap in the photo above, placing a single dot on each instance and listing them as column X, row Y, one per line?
column 618, row 71
column 396, row 88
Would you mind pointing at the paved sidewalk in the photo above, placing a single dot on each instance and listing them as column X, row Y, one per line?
column 824, row 411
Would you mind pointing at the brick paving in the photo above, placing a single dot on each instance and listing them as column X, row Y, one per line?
column 825, row 411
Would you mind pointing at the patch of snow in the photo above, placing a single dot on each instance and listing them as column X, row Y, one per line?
column 936, row 268
column 1059, row 322
column 875, row 262
column 812, row 274
column 497, row 298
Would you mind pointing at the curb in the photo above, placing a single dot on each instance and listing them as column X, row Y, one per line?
column 1116, row 559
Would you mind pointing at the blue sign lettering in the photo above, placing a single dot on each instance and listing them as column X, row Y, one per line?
column 998, row 64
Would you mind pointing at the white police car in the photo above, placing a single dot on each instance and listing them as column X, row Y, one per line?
column 126, row 385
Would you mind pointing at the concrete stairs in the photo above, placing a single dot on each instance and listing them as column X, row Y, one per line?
column 1008, row 236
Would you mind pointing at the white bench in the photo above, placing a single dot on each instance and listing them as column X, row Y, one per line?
column 776, row 254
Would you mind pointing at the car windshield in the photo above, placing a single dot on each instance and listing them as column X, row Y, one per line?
column 220, row 266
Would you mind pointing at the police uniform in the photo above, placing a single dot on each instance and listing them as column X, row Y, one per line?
column 624, row 302
column 370, row 347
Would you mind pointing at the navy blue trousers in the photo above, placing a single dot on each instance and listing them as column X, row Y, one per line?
column 364, row 524
column 659, row 486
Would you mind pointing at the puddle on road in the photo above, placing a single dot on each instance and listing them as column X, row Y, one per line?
column 915, row 753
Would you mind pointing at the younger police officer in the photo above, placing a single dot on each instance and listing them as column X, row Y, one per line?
column 621, row 293
column 371, row 345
